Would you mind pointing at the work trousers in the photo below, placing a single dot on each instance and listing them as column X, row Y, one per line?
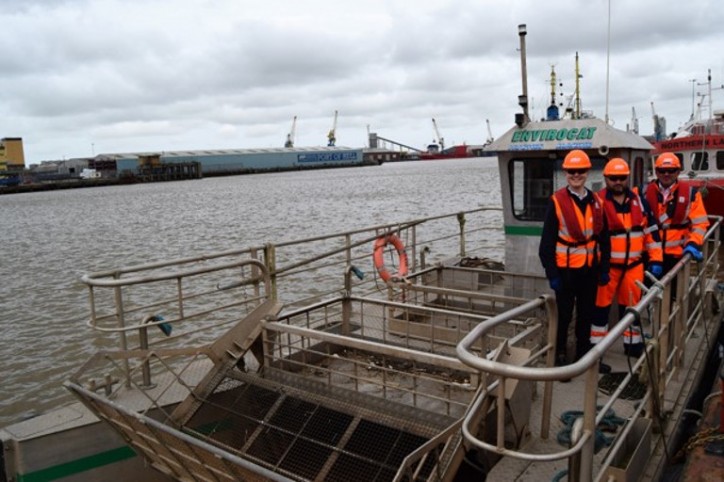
column 578, row 290
column 622, row 287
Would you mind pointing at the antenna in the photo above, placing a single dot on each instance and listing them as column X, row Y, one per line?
column 578, row 90
column 693, row 84
column 608, row 57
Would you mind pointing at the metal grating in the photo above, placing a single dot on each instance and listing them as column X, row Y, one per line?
column 305, row 436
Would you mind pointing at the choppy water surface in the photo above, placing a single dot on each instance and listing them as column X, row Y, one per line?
column 51, row 238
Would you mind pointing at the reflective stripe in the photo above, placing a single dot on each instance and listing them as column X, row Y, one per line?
column 574, row 251
column 632, row 235
column 632, row 255
column 598, row 333
column 674, row 242
column 632, row 336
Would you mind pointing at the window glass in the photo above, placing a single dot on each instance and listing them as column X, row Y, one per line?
column 720, row 160
column 533, row 181
column 531, row 185
column 699, row 161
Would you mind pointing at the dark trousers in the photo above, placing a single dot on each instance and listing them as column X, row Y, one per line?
column 578, row 290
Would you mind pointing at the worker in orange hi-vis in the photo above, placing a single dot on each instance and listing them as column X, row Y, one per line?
column 569, row 251
column 679, row 212
column 634, row 240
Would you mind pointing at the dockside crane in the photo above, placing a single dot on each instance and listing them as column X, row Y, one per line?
column 490, row 138
column 440, row 139
column 634, row 121
column 290, row 137
column 659, row 124
column 331, row 137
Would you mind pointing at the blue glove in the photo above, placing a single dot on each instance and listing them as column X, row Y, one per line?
column 657, row 270
column 555, row 283
column 695, row 253
column 603, row 279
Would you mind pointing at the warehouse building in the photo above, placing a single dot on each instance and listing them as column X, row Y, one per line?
column 240, row 161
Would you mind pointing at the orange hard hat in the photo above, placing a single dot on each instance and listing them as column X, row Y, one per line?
column 616, row 167
column 576, row 159
column 668, row 160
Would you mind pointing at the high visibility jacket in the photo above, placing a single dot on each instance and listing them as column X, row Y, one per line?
column 629, row 230
column 578, row 231
column 681, row 216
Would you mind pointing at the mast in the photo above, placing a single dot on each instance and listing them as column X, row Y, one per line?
column 608, row 57
column 552, row 111
column 523, row 98
column 577, row 113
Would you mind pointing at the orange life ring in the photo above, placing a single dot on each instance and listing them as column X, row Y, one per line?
column 378, row 256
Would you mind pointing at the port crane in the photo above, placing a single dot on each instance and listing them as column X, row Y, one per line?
column 490, row 138
column 659, row 124
column 331, row 137
column 634, row 121
column 440, row 139
column 290, row 137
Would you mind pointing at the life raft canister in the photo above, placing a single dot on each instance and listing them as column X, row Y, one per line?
column 378, row 257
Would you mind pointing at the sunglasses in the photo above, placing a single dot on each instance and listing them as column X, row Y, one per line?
column 667, row 171
column 617, row 178
column 573, row 172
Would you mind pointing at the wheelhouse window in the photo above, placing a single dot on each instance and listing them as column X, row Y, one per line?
column 638, row 170
column 720, row 160
column 700, row 161
column 534, row 180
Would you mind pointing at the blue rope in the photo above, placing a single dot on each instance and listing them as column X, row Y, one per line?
column 559, row 476
column 609, row 423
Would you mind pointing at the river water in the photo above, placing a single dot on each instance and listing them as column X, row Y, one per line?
column 50, row 239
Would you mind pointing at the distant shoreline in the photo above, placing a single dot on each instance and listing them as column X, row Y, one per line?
column 112, row 181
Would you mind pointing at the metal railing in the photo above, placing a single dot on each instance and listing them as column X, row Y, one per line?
column 196, row 298
column 673, row 317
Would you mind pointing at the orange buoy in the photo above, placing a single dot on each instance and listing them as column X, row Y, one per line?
column 378, row 256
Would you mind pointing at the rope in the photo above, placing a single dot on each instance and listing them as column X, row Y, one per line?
column 609, row 423
column 560, row 475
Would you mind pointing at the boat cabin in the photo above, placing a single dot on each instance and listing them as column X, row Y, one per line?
column 530, row 157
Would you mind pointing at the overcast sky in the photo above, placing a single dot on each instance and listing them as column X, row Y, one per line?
column 83, row 77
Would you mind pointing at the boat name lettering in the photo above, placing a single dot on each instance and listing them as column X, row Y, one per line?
column 692, row 143
column 525, row 147
column 544, row 135
column 574, row 145
column 327, row 157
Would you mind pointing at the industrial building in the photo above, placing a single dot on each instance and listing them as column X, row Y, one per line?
column 240, row 161
column 12, row 156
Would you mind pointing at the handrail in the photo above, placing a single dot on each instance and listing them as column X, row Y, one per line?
column 588, row 363
column 92, row 281
column 98, row 279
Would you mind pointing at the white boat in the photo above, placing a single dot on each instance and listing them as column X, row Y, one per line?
column 286, row 362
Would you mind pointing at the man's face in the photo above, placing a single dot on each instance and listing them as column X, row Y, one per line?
column 667, row 175
column 617, row 184
column 576, row 178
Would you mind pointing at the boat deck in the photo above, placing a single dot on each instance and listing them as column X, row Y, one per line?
column 449, row 371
